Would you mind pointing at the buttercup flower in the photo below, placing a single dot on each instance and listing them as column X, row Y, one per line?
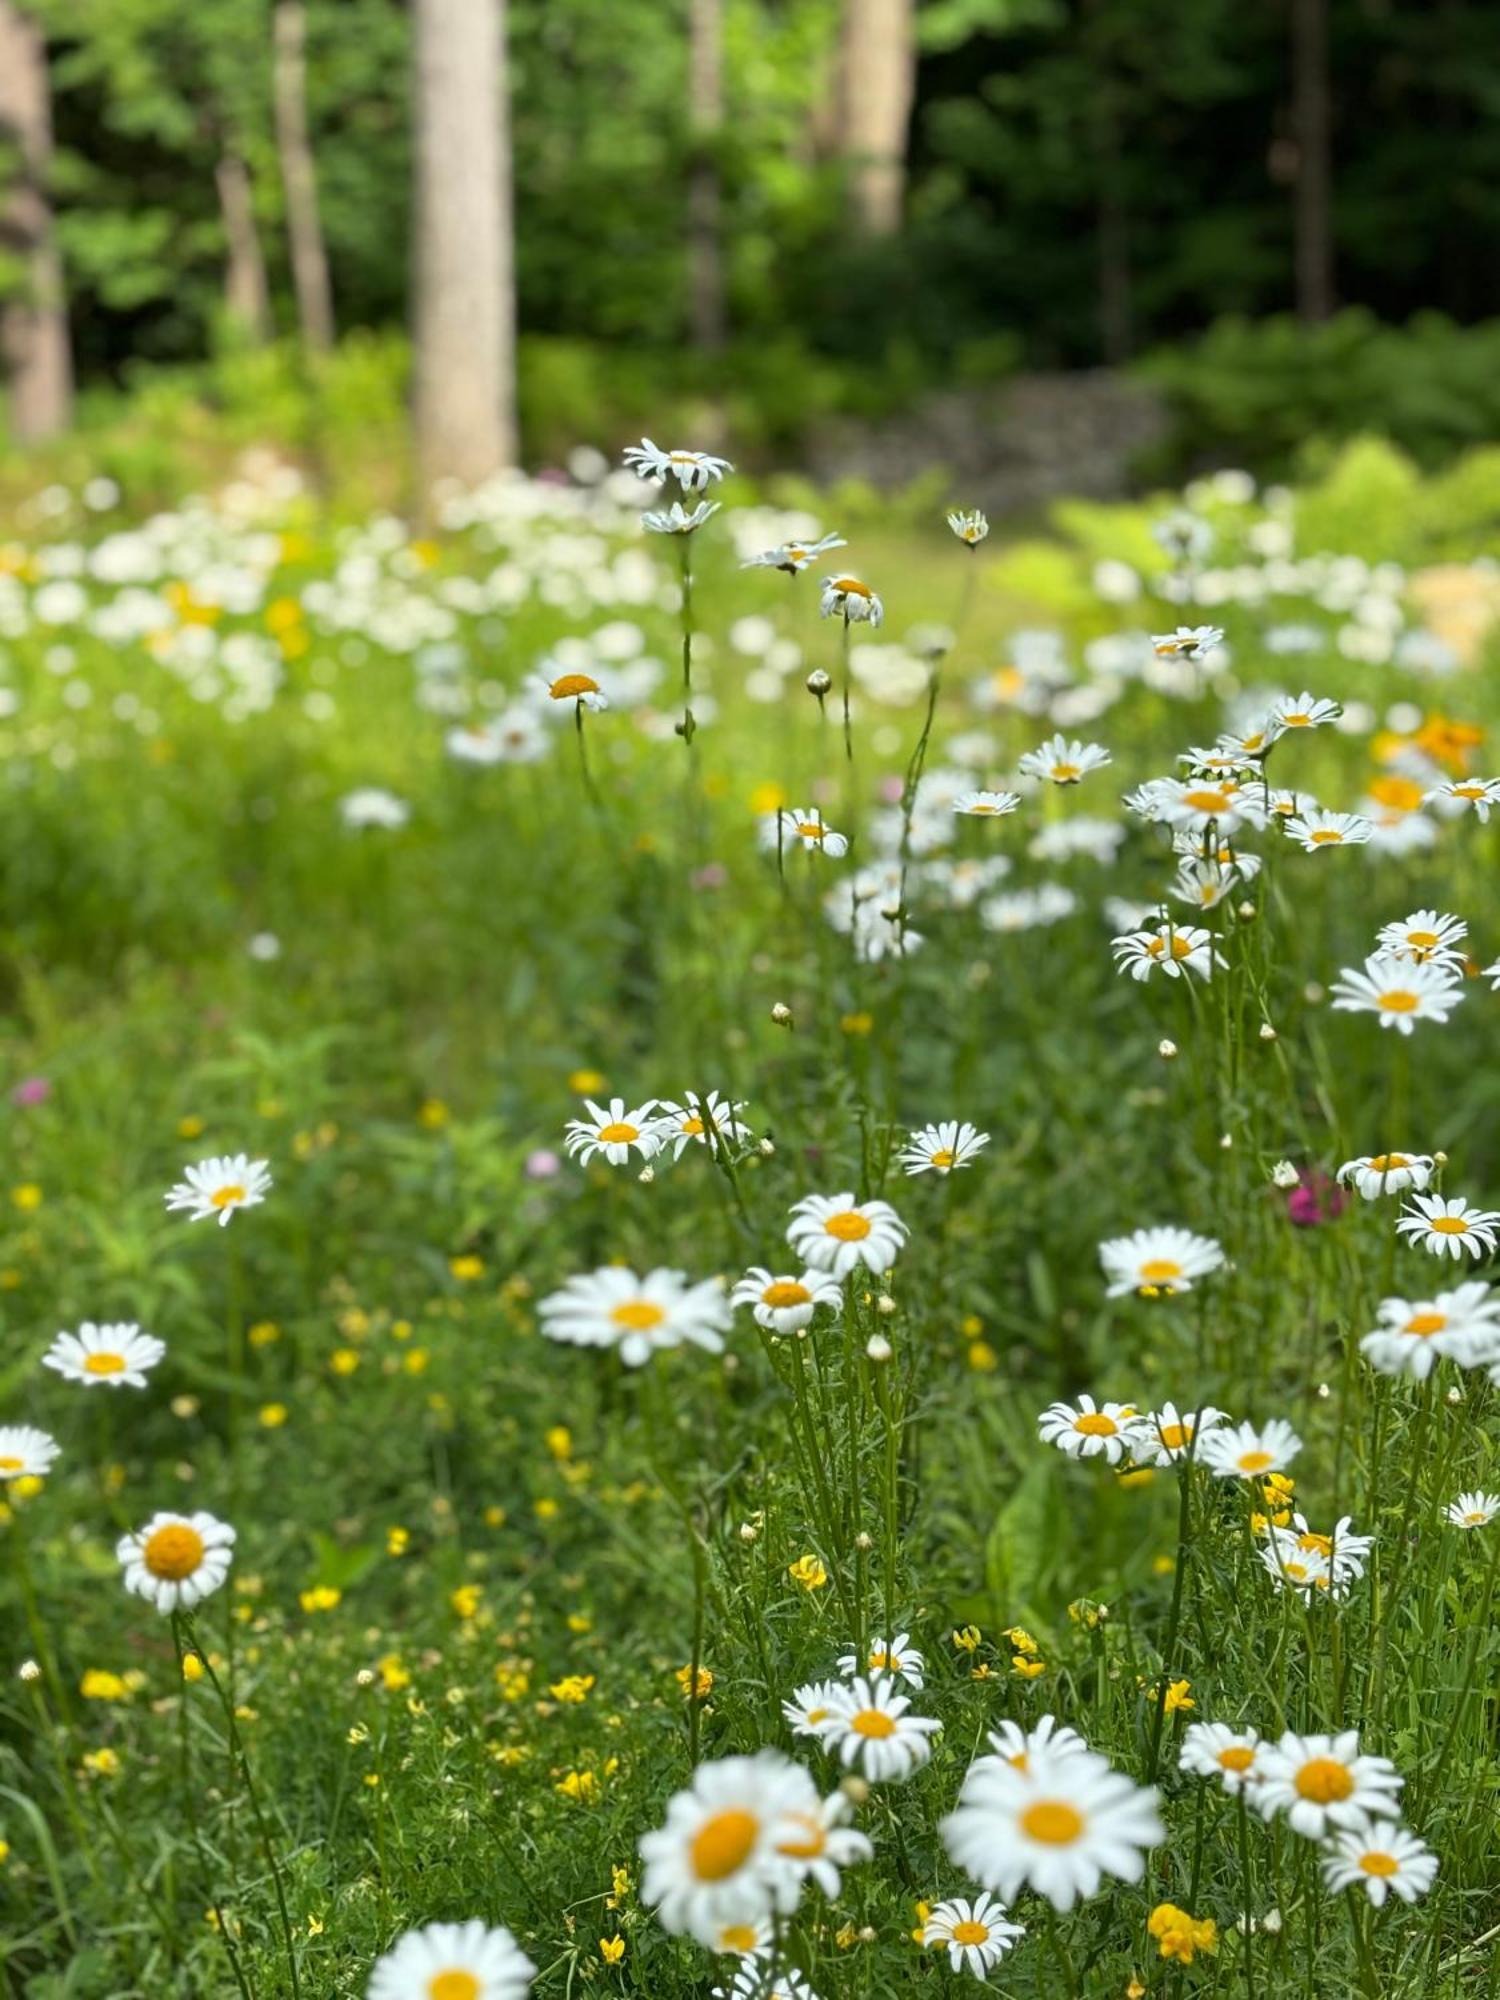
column 689, row 468
column 26, row 1452
column 1157, row 1261
column 219, row 1187
column 847, row 598
column 717, row 1860
column 786, row 1304
column 613, row 1307
column 871, row 1730
column 1447, row 1226
column 1323, row 1783
column 453, row 1962
column 117, row 1356
column 176, row 1560
column 1381, row 1860
column 615, row 1132
column 1398, row 991
column 976, row 1936
column 1376, row 1174
column 835, row 1233
column 943, row 1149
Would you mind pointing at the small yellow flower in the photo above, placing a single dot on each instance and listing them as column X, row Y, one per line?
column 322, row 1597
column 619, row 1888
column 1180, row 1936
column 861, row 1023
column 190, row 1127
column 372, row 1779
column 571, row 1688
column 578, row 1623
column 1022, row 1640
column 982, row 1358
column 264, row 1333
column 580, row 1786
column 494, row 1517
column 691, row 1690
column 767, row 798
column 466, row 1268
column 546, row 1510
column 192, row 1668
column 612, row 1950
column 344, row 1360
column 808, row 1571
column 397, row 1541
column 415, row 1360
column 99, row 1685
column 4, row 1852
column 315, row 1927
column 465, row 1600
column 392, row 1673
column 273, row 1416
column 1163, row 1565
column 514, row 1685
column 967, row 1639
column 1028, row 1669
column 27, row 1197
column 1177, row 1696
column 559, row 1441
column 433, row 1114
column 586, row 1082
column 102, row 1763
column 1135, row 1475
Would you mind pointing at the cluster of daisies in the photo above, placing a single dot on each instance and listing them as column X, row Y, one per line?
column 1415, row 973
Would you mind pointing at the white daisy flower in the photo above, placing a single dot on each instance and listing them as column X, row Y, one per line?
column 807, row 1713
column 1167, row 1435
column 26, row 1452
column 869, row 1727
column 1092, row 1430
column 793, row 557
column 1242, row 1451
column 1377, row 1174
column 716, row 1861
column 970, row 527
column 786, row 1304
column 1301, row 711
column 1446, row 1225
column 1226, row 760
column 1428, row 937
column 1414, row 1334
column 1172, row 949
column 1062, row 761
column 677, row 520
column 176, row 1560
column 219, row 1186
column 1293, row 1568
column 943, row 1149
column 453, row 1962
column 1345, row 1553
column 614, row 1132
column 1011, row 1744
column 1323, row 1783
column 1383, row 1861
column 976, row 1936
column 691, row 1122
column 896, row 1657
column 986, row 805
column 762, row 1976
column 1214, row 1750
column 820, row 1843
column 613, row 1307
column 1315, row 830
column 847, row 598
column 119, row 1356
column 1460, row 795
column 805, row 827
column 369, row 805
column 1059, row 1826
column 1203, row 884
column 1194, row 807
column 553, row 691
column 1400, row 993
column 744, row 1940
column 691, row 469
column 1152, row 1261
column 1188, row 642
column 835, row 1233
column 1474, row 1510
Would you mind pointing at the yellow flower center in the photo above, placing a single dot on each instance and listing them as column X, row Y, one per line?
column 1475, row 1517
column 1376, row 1862
column 1324, row 1780
column 811, row 829
column 1311, row 1544
column 1175, row 1436
column 785, row 1292
column 1095, row 1424
column 983, row 806
column 1397, row 1001
column 104, row 1364
column 1159, row 1271
column 1327, row 836
column 638, row 1315
column 1384, row 1163
column 1236, row 1757
column 1295, row 721
column 1424, row 1325
column 849, row 1226
column 1468, row 791
column 1422, row 940
column 723, row 1844
column 738, row 1937
column 1208, row 802
column 1296, row 1571
column 1053, row 1822
column 454, row 1985
column 969, row 1932
column 225, row 1197
column 11, row 1464
column 1065, row 774
column 568, row 687
column 173, row 1552
column 851, row 586
column 618, row 1134
column 873, row 1722
column 1449, row 1225
column 1255, row 1461
column 692, row 1128
column 943, row 1157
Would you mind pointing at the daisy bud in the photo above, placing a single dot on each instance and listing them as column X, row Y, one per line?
column 1440, row 1159
column 1313, row 993
column 867, row 1934
column 646, row 1176
column 1455, row 1395
column 1245, row 912
column 29, row 1670
column 1270, row 1923
column 1267, row 1032
column 781, row 1014
column 1284, row 1174
column 855, row 1790
column 865, row 1542
column 819, row 683
column 749, row 1532
column 1166, row 1050
column 364, row 1678
column 1226, row 1142
column 878, row 1349
column 885, row 1303
column 766, row 1150
column 1324, row 1392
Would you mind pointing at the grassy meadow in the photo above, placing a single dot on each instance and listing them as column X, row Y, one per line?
column 305, row 862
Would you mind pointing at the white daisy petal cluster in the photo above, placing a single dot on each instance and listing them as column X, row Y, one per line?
column 1316, row 830
column 1378, row 1174
column 1061, row 761
column 971, row 527
column 1158, row 1262
column 896, row 1657
column 468, row 1961
column 658, row 1124
column 26, row 1452
column 804, row 827
column 1398, row 991
column 849, row 598
column 1171, row 949
column 219, row 1187
column 870, row 1729
column 786, row 1303
column 837, row 1234
column 985, row 804
column 1412, row 1335
column 1187, row 642
column 794, row 557
column 693, row 470
column 976, row 1935
column 1248, row 1451
column 677, row 519
column 1093, row 1430
column 943, row 1149
column 1449, row 1226
column 1473, row 1510
column 637, row 1315
column 1461, row 795
column 176, row 1560
column 111, row 1356
column 762, row 1975
column 1427, row 937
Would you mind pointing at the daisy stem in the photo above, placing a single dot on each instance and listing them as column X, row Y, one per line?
column 1247, row 1889
column 234, row 1334
column 1060, row 1952
column 1174, row 1615
column 591, row 791
column 890, row 1495
column 181, row 1643
column 688, row 726
column 844, row 680
column 46, row 1658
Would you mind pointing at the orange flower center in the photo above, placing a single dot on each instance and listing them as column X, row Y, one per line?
column 1255, row 1461
column 1449, row 1225
column 618, row 1134
column 173, row 1552
column 849, row 1226
column 970, row 1933
column 1095, row 1424
column 785, row 1292
column 873, row 1722
column 570, row 686
column 1424, row 1325
column 104, row 1364
column 1397, row 1001
column 1237, row 1757
column 723, row 1844
column 453, row 1985
column 638, row 1315
column 1159, row 1270
column 1053, row 1822
column 1324, row 1780
column 225, row 1197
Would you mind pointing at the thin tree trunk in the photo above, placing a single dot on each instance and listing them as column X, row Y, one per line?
column 1312, row 190
column 299, row 177
column 247, row 297
column 706, row 311
column 465, row 278
column 877, row 81
column 34, row 320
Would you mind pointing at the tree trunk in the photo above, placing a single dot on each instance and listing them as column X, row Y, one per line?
column 706, row 313
column 247, row 297
column 877, row 80
column 299, row 177
column 1312, row 188
column 465, row 276
column 33, row 319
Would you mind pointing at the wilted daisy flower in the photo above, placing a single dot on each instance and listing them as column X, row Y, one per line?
column 786, row 1304
column 1188, row 642
column 368, row 805
column 763, row 1976
column 794, row 556
column 219, row 1186
column 835, row 1233
column 847, row 598
column 1293, row 1568
column 613, row 1307
column 118, row 1355
column 677, row 520
column 1092, row 1430
column 1399, row 992
column 1166, row 1436
column 1011, row 1744
column 614, row 1132
column 896, row 1657
column 1214, row 1750
column 453, row 1962
column 1244, row 1452
column 986, row 805
column 1323, row 1783
column 25, row 1452
column 1059, row 1825
column 976, row 1936
column 1301, row 711
column 1062, row 761
column 176, row 1560
column 1315, row 830
column 691, row 1123
column 869, row 1727
column 1426, row 936
column 819, row 1842
column 555, row 690
column 802, row 826
column 807, row 1711
column 689, row 468
column 1446, row 1225
column 1381, row 1860
column 1153, row 1261
column 943, row 1149
column 1377, row 1174
column 1474, row 1510
column 1462, row 1325
column 717, row 1860
column 1458, row 795
column 1173, row 949
column 970, row 527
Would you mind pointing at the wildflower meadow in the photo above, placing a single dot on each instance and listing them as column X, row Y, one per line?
column 748, row 1241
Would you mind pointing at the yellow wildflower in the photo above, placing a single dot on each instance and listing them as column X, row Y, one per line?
column 808, row 1571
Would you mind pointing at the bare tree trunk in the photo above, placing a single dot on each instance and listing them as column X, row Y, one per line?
column 34, row 321
column 299, row 177
column 706, row 312
column 247, row 296
column 465, row 275
column 1312, row 191
column 877, row 81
